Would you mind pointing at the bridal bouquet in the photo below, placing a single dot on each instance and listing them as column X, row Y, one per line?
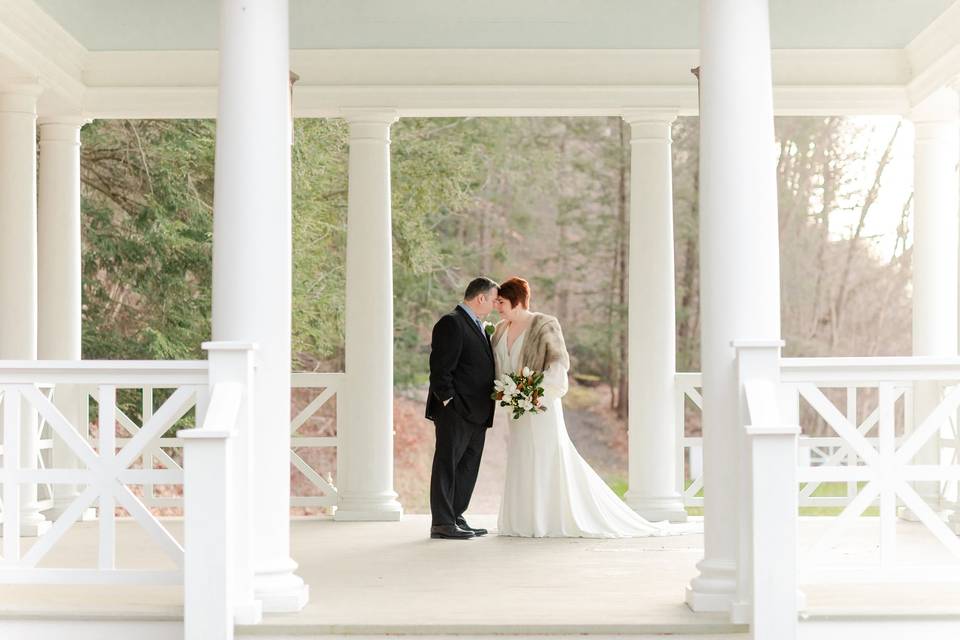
column 520, row 391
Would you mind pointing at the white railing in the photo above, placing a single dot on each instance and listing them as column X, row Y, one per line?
column 44, row 455
column 313, row 432
column 311, row 435
column 825, row 450
column 213, row 561
column 106, row 472
column 767, row 564
column 689, row 480
column 882, row 466
column 218, row 511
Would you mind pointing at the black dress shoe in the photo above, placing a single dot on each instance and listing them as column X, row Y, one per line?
column 449, row 532
column 463, row 525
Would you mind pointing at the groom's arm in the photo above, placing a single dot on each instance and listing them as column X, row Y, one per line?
column 445, row 349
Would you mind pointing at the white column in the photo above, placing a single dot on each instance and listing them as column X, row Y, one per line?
column 252, row 263
column 365, row 446
column 935, row 209
column 18, row 264
column 652, row 367
column 739, row 260
column 59, row 277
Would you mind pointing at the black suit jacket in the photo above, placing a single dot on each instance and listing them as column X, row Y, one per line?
column 462, row 368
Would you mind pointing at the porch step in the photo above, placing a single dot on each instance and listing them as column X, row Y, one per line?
column 170, row 627
column 532, row 636
column 709, row 629
column 893, row 624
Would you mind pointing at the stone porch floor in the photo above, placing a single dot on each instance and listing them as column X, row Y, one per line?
column 375, row 578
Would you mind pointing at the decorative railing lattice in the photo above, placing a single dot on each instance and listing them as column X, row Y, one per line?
column 313, row 433
column 884, row 458
column 107, row 470
column 818, row 446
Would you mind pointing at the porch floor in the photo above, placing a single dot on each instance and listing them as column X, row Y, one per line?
column 373, row 578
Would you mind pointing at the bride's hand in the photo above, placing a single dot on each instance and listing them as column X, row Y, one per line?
column 554, row 382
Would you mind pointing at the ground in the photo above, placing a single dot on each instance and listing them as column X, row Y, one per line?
column 594, row 429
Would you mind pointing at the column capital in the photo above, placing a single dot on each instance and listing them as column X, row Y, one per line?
column 19, row 97
column 370, row 115
column 943, row 105
column 61, row 128
column 65, row 119
column 652, row 115
column 649, row 125
column 371, row 125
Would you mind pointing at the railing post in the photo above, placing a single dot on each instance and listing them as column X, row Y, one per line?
column 233, row 362
column 208, row 550
column 767, row 565
column 11, row 470
column 218, row 564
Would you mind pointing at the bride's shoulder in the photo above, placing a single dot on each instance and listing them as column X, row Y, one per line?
column 543, row 319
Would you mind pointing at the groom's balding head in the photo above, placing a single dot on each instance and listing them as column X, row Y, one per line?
column 479, row 286
column 480, row 295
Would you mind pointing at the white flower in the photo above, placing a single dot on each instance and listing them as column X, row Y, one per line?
column 526, row 373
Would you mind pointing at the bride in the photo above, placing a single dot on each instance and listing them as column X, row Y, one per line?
column 550, row 489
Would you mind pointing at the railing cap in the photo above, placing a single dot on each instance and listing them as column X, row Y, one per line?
column 229, row 345
column 772, row 430
column 203, row 434
column 766, row 343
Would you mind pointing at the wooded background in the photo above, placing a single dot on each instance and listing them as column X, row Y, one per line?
column 544, row 198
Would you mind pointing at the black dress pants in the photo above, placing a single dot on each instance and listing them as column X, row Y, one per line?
column 456, row 463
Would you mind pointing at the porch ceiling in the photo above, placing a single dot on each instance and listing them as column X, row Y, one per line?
column 132, row 25
column 142, row 58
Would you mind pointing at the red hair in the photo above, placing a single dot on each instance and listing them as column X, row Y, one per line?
column 517, row 291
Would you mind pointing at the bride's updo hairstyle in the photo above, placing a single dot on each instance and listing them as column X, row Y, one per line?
column 517, row 291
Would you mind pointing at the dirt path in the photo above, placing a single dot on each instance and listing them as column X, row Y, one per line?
column 598, row 438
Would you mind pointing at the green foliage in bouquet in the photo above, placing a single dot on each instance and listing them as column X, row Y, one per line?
column 522, row 392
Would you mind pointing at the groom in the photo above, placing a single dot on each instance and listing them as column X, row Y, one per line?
column 461, row 383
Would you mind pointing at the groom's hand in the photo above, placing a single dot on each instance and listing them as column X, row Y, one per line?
column 445, row 347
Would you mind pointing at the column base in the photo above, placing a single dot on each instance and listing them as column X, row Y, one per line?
column 657, row 509
column 954, row 522
column 248, row 612
column 53, row 513
column 280, row 590
column 32, row 529
column 368, row 509
column 715, row 589
column 741, row 612
column 909, row 516
column 33, row 524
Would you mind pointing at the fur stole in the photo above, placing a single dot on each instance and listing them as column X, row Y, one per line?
column 543, row 344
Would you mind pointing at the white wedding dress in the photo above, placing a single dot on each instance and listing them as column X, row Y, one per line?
column 550, row 490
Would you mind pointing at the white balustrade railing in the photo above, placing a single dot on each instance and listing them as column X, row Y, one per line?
column 880, row 432
column 824, row 450
column 312, row 435
column 689, row 480
column 213, row 559
column 882, row 466
column 105, row 474
column 767, row 563
column 44, row 448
